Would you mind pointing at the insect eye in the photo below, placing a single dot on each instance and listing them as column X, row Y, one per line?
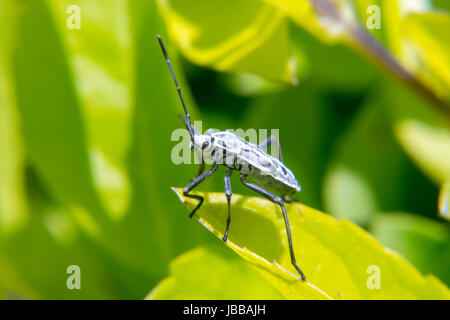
column 205, row 144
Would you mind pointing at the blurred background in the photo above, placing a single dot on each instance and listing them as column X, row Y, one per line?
column 359, row 91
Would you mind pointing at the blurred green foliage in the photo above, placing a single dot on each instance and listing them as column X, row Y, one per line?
column 86, row 117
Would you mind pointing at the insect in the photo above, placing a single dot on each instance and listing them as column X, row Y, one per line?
column 273, row 180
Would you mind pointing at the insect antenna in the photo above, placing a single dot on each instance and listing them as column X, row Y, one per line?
column 186, row 121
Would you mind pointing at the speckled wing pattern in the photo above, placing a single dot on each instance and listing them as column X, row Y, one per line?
column 248, row 153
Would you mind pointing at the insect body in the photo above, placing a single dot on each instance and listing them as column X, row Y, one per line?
column 226, row 148
column 273, row 180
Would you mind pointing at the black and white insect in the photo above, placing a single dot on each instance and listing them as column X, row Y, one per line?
column 273, row 179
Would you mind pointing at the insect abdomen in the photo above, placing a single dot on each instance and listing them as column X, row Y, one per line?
column 272, row 184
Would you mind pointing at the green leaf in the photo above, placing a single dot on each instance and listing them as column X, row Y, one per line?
column 422, row 241
column 444, row 198
column 256, row 41
column 442, row 4
column 335, row 255
column 34, row 259
column 149, row 234
column 428, row 146
column 303, row 13
column 50, row 115
column 354, row 187
column 421, row 131
column 211, row 273
column 12, row 205
column 332, row 66
column 90, row 104
column 348, row 195
column 428, row 32
column 365, row 11
column 99, row 53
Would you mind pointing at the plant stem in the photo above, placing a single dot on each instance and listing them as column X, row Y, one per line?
column 375, row 49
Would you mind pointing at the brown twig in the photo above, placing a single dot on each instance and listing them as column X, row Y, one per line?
column 375, row 49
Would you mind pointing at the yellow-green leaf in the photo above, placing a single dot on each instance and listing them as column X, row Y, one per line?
column 444, row 196
column 100, row 56
column 12, row 205
column 424, row 242
column 429, row 34
column 255, row 42
column 339, row 259
column 205, row 273
column 328, row 21
column 428, row 146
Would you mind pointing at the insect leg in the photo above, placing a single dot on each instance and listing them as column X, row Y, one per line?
column 266, row 143
column 195, row 183
column 228, row 194
column 274, row 198
column 201, row 169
